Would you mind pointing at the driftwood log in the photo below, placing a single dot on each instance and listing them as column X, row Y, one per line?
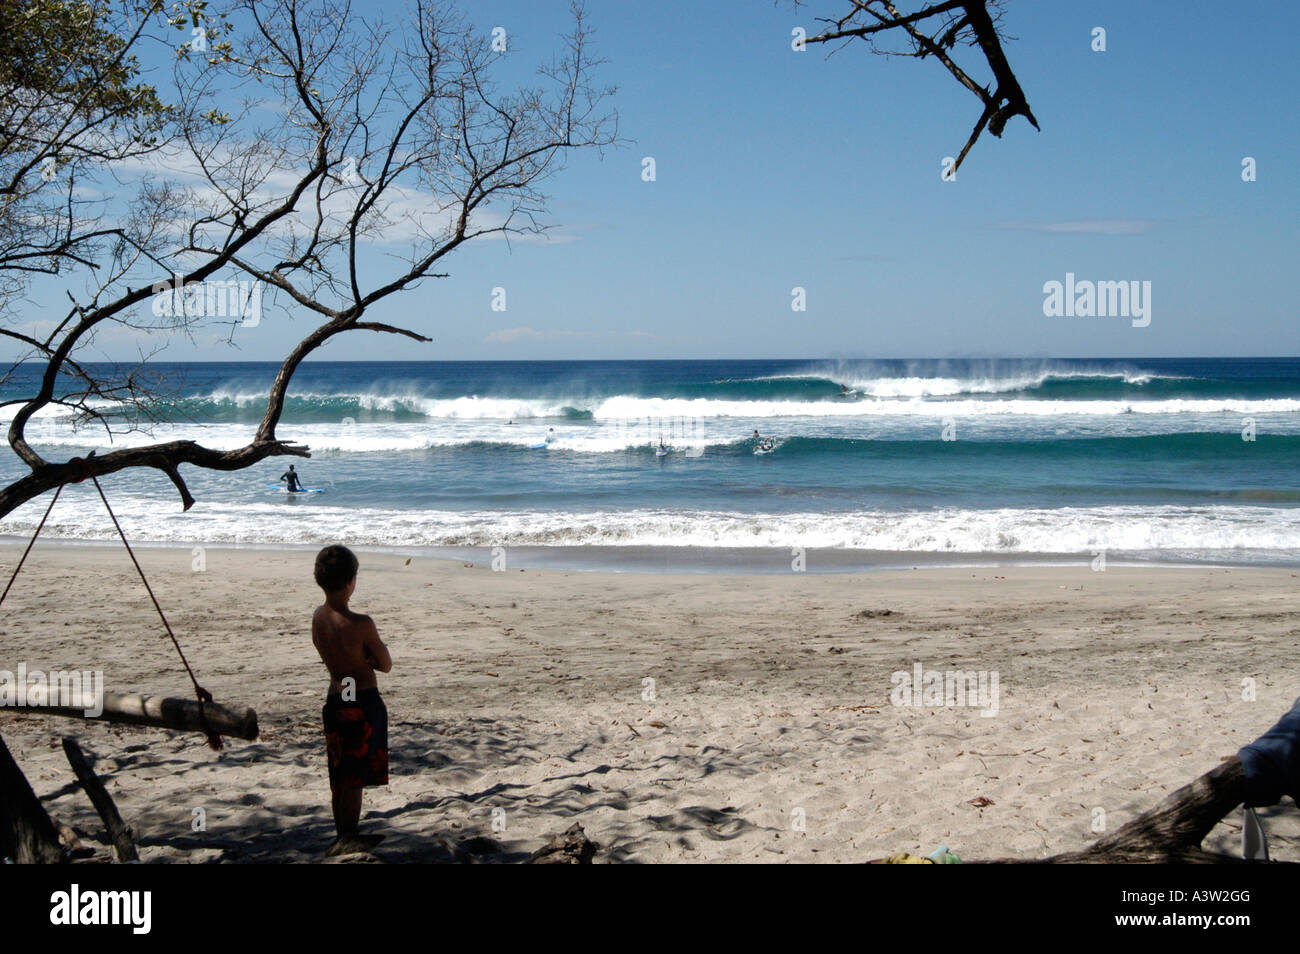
column 103, row 802
column 571, row 847
column 133, row 709
column 1172, row 831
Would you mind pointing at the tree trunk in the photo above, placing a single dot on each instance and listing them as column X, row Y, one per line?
column 26, row 833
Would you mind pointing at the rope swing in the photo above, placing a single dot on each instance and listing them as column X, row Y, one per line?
column 204, row 697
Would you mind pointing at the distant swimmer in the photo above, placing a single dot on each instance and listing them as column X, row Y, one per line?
column 292, row 477
column 755, row 437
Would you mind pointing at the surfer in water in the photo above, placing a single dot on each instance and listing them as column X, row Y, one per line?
column 291, row 475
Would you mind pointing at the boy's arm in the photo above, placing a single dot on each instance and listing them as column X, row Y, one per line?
column 376, row 649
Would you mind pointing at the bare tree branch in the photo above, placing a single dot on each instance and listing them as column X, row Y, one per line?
column 934, row 30
column 310, row 133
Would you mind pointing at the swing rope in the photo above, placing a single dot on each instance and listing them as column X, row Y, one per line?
column 214, row 740
column 30, row 543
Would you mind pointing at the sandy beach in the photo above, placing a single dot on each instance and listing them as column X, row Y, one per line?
column 678, row 718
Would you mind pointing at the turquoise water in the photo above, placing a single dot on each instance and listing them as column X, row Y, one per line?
column 1008, row 458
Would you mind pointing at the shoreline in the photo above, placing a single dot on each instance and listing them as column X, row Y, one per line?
column 746, row 561
column 770, row 700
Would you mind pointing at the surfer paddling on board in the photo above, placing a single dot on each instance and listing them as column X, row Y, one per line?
column 295, row 486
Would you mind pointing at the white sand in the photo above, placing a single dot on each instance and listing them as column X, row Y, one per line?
column 523, row 691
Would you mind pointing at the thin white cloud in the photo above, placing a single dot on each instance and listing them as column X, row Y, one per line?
column 406, row 215
column 1086, row 226
column 512, row 335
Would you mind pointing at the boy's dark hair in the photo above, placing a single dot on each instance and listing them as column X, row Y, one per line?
column 336, row 565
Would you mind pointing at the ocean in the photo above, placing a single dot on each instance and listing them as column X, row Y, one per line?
column 873, row 463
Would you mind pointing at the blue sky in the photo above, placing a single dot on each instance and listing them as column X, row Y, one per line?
column 778, row 169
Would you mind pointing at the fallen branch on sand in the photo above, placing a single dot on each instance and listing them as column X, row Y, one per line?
column 570, row 847
column 1170, row 832
column 103, row 802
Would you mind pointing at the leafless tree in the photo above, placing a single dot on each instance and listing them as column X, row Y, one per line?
column 294, row 136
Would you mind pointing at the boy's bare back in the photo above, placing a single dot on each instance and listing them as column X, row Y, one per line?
column 350, row 646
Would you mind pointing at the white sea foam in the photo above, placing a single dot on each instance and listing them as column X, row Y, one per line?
column 957, row 530
column 638, row 407
column 869, row 378
column 945, row 387
column 686, row 432
column 933, row 398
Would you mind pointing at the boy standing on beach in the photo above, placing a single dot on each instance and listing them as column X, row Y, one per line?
column 356, row 721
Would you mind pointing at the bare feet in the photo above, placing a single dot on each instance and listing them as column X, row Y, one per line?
column 353, row 844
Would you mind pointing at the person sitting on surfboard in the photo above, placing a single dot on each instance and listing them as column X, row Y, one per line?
column 292, row 476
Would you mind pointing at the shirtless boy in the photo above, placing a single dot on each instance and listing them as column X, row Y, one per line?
column 356, row 721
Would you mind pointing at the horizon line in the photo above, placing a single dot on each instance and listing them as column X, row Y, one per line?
column 986, row 357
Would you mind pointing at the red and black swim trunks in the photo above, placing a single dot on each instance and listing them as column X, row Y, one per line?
column 356, row 739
